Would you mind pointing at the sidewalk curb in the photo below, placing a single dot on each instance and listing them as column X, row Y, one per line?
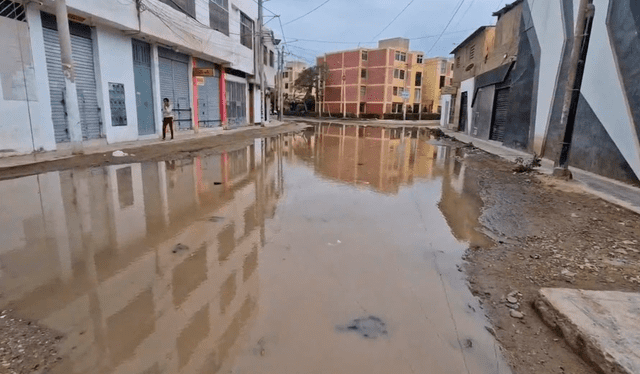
column 40, row 159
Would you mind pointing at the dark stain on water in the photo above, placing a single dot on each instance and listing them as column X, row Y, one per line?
column 370, row 327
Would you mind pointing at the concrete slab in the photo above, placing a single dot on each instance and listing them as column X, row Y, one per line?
column 602, row 326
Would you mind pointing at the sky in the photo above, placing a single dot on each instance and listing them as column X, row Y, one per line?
column 346, row 24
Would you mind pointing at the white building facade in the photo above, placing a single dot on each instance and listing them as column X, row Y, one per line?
column 128, row 56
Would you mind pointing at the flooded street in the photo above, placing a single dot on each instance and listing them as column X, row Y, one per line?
column 334, row 250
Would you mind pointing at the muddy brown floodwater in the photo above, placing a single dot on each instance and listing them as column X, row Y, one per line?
column 333, row 250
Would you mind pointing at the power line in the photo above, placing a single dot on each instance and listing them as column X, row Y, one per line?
column 392, row 21
column 356, row 42
column 448, row 23
column 306, row 14
column 465, row 12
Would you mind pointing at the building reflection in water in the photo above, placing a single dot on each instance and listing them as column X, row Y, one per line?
column 384, row 159
column 153, row 267
column 145, row 268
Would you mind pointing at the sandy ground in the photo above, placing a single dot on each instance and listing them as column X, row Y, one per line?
column 25, row 347
column 548, row 234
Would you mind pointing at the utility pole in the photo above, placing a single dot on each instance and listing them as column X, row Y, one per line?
column 574, row 83
column 68, row 69
column 280, row 85
column 260, row 46
column 344, row 99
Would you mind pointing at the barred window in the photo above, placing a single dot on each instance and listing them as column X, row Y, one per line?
column 219, row 15
column 12, row 10
column 184, row 6
column 246, row 31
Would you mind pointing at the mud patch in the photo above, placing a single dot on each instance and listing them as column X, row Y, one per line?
column 26, row 347
column 370, row 327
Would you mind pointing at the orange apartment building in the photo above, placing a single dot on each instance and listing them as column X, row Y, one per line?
column 371, row 81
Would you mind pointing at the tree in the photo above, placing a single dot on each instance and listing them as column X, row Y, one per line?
column 308, row 80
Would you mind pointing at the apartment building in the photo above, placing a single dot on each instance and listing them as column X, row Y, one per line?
column 128, row 56
column 290, row 73
column 373, row 81
column 438, row 73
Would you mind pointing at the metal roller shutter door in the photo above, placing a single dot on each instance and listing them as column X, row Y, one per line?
column 174, row 84
column 209, row 99
column 82, row 49
column 500, row 115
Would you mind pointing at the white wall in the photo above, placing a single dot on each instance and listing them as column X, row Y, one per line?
column 446, row 111
column 549, row 25
column 25, row 111
column 469, row 87
column 173, row 28
column 603, row 90
column 115, row 64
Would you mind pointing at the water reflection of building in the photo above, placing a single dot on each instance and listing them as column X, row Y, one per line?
column 92, row 254
column 461, row 203
column 383, row 158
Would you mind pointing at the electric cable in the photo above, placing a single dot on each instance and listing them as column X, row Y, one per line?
column 445, row 28
column 392, row 21
column 306, row 14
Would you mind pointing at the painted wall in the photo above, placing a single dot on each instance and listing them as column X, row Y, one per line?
column 608, row 110
column 189, row 34
column 24, row 104
column 116, row 68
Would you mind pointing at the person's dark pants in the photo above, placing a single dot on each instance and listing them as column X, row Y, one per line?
column 165, row 122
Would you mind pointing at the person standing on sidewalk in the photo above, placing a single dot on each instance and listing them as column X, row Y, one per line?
column 167, row 114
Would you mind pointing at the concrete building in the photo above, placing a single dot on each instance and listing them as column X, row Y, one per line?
column 438, row 73
column 128, row 56
column 371, row 81
column 290, row 73
column 469, row 61
column 523, row 97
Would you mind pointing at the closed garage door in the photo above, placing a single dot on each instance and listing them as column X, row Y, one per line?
column 174, row 85
column 209, row 97
column 82, row 50
column 501, row 110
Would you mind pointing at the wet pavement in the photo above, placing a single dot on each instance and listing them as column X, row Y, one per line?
column 334, row 250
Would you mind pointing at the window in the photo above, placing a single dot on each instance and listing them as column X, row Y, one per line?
column 451, row 67
column 419, row 59
column 365, row 55
column 418, row 79
column 265, row 54
column 363, row 107
column 442, row 77
column 401, row 74
column 416, row 96
column 184, row 6
column 219, row 15
column 458, row 62
column 271, row 58
column 396, row 73
column 12, row 10
column 286, row 86
column 246, row 31
column 395, row 91
column 363, row 73
column 396, row 108
column 363, row 92
column 285, row 74
column 443, row 68
column 401, row 56
column 472, row 52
